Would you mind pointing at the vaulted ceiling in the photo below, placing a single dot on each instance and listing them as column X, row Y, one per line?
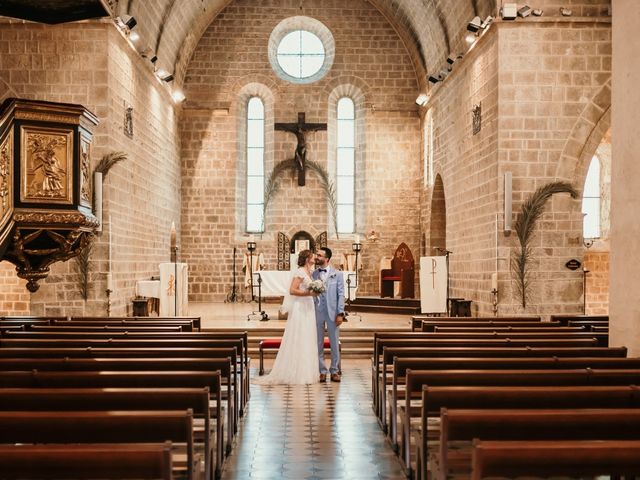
column 431, row 29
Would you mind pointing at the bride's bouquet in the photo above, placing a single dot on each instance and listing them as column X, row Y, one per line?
column 317, row 286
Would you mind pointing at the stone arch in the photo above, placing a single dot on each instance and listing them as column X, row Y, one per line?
column 438, row 222
column 586, row 135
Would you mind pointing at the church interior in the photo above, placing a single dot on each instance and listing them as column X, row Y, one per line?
column 471, row 164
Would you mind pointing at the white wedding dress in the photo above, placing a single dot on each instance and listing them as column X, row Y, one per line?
column 297, row 359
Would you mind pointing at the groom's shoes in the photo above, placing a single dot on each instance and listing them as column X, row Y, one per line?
column 323, row 377
column 335, row 377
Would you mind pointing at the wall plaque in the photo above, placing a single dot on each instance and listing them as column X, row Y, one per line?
column 573, row 264
column 477, row 118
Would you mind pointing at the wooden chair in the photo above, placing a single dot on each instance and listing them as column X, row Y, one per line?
column 402, row 270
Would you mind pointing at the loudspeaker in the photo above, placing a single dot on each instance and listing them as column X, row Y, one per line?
column 507, row 202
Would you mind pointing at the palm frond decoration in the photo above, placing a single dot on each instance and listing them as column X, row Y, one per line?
column 83, row 269
column 272, row 185
column 329, row 190
column 525, row 225
column 108, row 161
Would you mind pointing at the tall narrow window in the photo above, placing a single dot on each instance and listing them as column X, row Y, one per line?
column 255, row 165
column 591, row 201
column 428, row 148
column 346, row 162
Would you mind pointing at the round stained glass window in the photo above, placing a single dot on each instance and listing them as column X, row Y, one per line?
column 301, row 54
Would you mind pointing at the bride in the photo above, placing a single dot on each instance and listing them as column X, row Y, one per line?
column 297, row 359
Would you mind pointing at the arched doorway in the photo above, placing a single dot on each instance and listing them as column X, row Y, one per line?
column 438, row 223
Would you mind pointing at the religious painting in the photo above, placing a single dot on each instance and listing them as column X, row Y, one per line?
column 300, row 245
column 46, row 161
column 128, row 122
column 85, row 176
column 6, row 177
column 284, row 259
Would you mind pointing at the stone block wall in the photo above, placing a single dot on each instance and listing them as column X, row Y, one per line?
column 14, row 296
column 597, row 282
column 371, row 65
column 92, row 64
column 540, row 82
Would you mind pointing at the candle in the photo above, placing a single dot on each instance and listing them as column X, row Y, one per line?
column 494, row 282
column 110, row 247
column 357, row 238
column 173, row 235
column 109, row 281
column 251, row 238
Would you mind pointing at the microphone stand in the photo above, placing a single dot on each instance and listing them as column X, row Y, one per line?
column 446, row 254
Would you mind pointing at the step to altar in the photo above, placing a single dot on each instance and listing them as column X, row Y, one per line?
column 397, row 306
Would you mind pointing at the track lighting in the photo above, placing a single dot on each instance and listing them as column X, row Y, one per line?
column 422, row 99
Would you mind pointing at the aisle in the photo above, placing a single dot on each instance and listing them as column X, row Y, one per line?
column 313, row 432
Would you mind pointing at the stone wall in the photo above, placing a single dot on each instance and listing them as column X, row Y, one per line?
column 371, row 65
column 597, row 282
column 541, row 84
column 14, row 296
column 92, row 64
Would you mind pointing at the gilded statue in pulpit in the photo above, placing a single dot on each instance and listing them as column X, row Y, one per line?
column 85, row 179
column 46, row 157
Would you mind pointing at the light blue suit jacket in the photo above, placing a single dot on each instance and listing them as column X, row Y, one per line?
column 334, row 295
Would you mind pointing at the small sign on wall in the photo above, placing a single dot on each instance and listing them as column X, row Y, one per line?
column 477, row 118
column 573, row 264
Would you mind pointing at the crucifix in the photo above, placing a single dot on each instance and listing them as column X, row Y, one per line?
column 299, row 129
column 433, row 272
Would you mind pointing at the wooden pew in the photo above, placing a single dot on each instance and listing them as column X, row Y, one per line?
column 401, row 364
column 133, row 333
column 602, row 338
column 96, row 399
column 422, row 340
column 429, row 326
column 103, row 329
column 137, row 342
column 186, row 326
column 448, row 329
column 86, row 461
column 575, row 377
column 416, row 320
column 102, row 427
column 524, row 424
column 195, row 321
column 565, row 319
column 120, row 379
column 485, row 397
column 570, row 458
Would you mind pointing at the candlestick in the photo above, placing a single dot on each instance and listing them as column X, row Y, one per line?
column 494, row 282
column 110, row 247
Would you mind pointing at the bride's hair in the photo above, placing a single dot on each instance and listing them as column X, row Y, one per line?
column 303, row 256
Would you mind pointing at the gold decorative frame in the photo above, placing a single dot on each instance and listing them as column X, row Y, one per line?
column 86, row 195
column 47, row 176
column 6, row 177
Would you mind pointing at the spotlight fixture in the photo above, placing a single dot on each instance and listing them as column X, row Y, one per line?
column 509, row 11
column 487, row 21
column 435, row 78
column 134, row 37
column 565, row 12
column 163, row 75
column 422, row 99
column 470, row 38
column 525, row 11
column 178, row 96
column 475, row 24
column 537, row 12
column 452, row 58
column 126, row 21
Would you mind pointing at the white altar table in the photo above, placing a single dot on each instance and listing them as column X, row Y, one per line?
column 275, row 283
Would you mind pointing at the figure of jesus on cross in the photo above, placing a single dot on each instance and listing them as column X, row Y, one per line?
column 299, row 129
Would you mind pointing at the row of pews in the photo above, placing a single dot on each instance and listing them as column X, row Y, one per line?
column 508, row 397
column 95, row 397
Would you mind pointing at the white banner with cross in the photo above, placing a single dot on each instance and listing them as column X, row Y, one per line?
column 433, row 284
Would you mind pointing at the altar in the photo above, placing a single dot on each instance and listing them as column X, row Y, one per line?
column 276, row 283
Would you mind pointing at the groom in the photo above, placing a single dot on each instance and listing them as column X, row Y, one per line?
column 329, row 311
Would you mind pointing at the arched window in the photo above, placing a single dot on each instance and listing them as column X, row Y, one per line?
column 255, row 165
column 346, row 165
column 591, row 201
column 428, row 148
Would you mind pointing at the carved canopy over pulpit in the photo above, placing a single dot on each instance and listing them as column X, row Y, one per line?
column 402, row 270
column 45, row 184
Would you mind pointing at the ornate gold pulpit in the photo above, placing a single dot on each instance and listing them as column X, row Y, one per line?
column 45, row 184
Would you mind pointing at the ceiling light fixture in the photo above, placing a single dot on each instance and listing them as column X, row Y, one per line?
column 422, row 99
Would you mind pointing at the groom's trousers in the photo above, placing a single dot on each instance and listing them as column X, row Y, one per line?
column 322, row 318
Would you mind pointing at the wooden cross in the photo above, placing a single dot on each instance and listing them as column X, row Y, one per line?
column 299, row 129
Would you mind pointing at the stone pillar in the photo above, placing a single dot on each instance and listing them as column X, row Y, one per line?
column 624, row 306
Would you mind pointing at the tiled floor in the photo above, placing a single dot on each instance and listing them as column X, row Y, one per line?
column 313, row 432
